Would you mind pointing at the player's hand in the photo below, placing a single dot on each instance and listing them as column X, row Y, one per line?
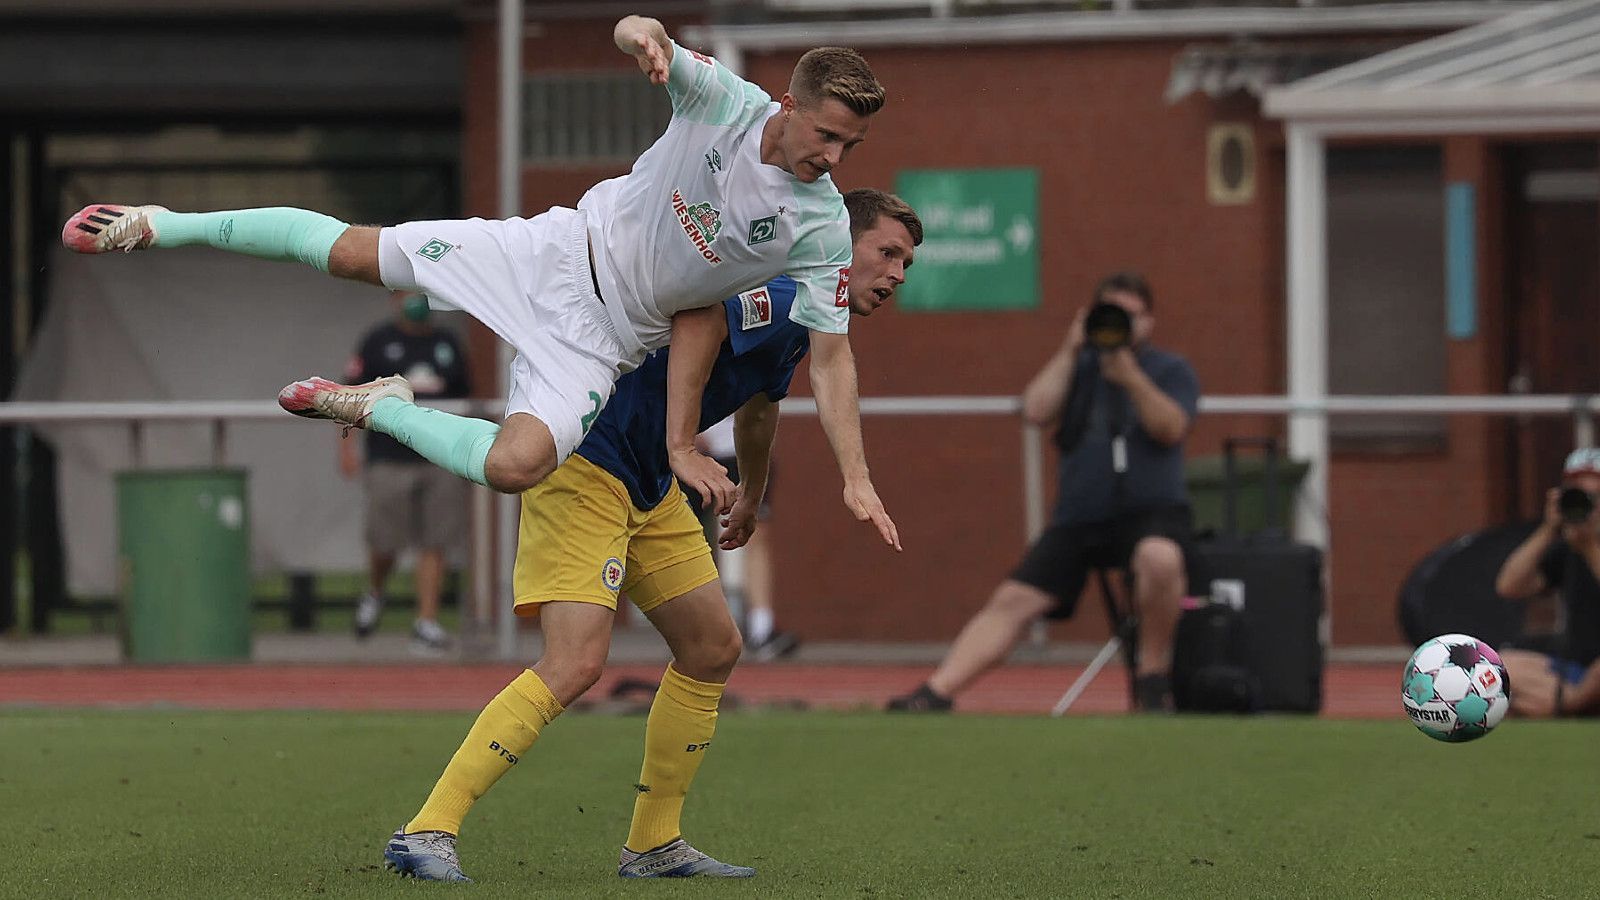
column 739, row 525
column 706, row 476
column 862, row 500
column 652, row 58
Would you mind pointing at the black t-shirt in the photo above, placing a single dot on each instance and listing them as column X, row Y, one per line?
column 1095, row 412
column 432, row 361
column 1580, row 600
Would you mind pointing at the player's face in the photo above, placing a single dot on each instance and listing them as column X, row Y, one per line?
column 1143, row 322
column 879, row 260
column 818, row 136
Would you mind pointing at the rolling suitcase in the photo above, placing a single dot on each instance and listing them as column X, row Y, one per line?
column 1277, row 585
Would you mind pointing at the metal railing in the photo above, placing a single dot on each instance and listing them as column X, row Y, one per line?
column 218, row 415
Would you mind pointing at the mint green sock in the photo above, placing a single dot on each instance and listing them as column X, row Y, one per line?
column 280, row 232
column 457, row 444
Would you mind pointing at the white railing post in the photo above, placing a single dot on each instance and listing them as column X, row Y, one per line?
column 1307, row 318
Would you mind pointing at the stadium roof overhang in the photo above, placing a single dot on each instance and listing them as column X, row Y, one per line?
column 1528, row 72
column 729, row 41
column 1534, row 69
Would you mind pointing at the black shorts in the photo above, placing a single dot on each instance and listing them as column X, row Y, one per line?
column 1059, row 562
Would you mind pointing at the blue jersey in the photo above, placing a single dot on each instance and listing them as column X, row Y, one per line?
column 763, row 347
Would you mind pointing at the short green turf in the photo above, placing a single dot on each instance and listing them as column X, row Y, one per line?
column 191, row 804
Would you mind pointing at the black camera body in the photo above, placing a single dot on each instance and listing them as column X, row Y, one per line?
column 1108, row 326
column 1575, row 505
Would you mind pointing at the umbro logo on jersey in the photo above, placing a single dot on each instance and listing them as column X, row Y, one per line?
column 714, row 161
column 763, row 230
column 434, row 250
column 757, row 308
column 700, row 222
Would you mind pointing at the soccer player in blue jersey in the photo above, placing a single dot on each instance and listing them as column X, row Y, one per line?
column 612, row 520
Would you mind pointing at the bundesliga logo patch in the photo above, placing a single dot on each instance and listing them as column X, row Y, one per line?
column 841, row 294
column 611, row 574
column 757, row 308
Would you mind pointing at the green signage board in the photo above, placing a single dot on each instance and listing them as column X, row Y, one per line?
column 980, row 248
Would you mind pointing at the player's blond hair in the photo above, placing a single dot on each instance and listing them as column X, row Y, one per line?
column 840, row 73
column 865, row 205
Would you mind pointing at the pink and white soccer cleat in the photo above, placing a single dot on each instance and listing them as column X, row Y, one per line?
column 104, row 227
column 347, row 404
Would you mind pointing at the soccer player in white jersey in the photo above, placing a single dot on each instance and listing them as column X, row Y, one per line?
column 736, row 192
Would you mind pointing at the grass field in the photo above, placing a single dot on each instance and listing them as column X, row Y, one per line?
column 189, row 804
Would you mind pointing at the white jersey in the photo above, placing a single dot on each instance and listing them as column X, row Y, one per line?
column 701, row 217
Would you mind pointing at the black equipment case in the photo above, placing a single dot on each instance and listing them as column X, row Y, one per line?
column 1276, row 585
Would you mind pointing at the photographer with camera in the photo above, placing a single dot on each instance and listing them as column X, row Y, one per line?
column 1122, row 409
column 1563, row 553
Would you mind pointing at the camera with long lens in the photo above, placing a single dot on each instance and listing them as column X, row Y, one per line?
column 1108, row 326
column 1575, row 505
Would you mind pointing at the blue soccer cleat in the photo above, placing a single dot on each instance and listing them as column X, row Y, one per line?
column 676, row 859
column 425, row 856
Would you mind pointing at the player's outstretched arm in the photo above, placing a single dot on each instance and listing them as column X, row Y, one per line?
column 645, row 39
column 755, row 427
column 697, row 336
column 833, row 381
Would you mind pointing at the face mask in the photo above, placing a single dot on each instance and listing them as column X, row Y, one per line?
column 415, row 308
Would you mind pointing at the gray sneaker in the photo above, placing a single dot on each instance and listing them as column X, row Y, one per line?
column 425, row 856
column 676, row 859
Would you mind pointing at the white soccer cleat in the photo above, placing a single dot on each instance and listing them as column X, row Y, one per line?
column 104, row 227
column 676, row 859
column 348, row 404
column 425, row 856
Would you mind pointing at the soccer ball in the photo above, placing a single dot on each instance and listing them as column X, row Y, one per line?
column 1455, row 688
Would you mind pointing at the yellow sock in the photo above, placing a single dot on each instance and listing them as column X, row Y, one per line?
column 676, row 737
column 505, row 730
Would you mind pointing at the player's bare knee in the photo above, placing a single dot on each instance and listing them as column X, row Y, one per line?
column 569, row 675
column 512, row 473
column 355, row 255
column 523, row 454
column 1156, row 559
column 1017, row 601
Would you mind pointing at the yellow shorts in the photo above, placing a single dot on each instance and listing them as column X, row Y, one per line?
column 581, row 538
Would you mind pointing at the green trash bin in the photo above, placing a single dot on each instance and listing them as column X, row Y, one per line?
column 1204, row 476
column 185, row 565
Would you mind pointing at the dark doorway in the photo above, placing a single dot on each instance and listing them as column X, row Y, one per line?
column 1553, row 295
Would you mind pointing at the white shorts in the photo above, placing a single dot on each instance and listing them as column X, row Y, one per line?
column 528, row 280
